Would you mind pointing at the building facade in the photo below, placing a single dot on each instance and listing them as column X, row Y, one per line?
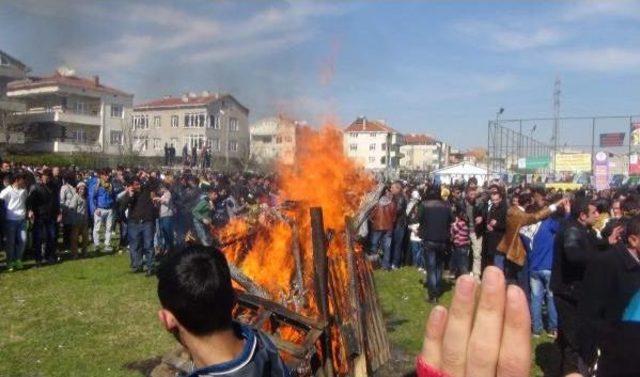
column 424, row 153
column 217, row 122
column 373, row 144
column 274, row 139
column 11, row 69
column 67, row 113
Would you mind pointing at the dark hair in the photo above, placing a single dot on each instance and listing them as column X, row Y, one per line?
column 195, row 286
column 633, row 227
column 580, row 206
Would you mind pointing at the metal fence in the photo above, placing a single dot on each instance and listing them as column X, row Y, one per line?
column 512, row 140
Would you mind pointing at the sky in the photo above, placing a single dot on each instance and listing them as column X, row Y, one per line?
column 440, row 68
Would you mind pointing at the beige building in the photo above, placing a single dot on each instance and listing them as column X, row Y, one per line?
column 11, row 69
column 67, row 113
column 215, row 121
column 372, row 143
column 274, row 139
column 423, row 152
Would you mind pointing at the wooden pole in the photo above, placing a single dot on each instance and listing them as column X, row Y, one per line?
column 321, row 266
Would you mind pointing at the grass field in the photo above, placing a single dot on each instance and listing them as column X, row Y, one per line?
column 92, row 317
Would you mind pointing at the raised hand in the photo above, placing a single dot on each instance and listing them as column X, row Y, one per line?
column 492, row 340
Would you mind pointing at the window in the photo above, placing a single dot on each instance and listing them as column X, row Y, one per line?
column 78, row 135
column 195, row 141
column 82, row 107
column 174, row 121
column 372, row 147
column 116, row 111
column 140, row 122
column 115, row 137
column 373, row 134
column 174, row 142
column 288, row 139
column 215, row 144
column 353, row 147
column 214, row 122
column 156, row 121
column 354, row 135
column 383, row 160
column 141, row 143
column 233, row 124
column 278, row 139
column 156, row 143
column 194, row 120
column 233, row 146
column 372, row 159
column 384, row 146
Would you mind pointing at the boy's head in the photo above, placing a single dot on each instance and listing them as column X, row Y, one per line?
column 194, row 288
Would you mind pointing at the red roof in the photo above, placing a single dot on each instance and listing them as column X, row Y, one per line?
column 362, row 124
column 418, row 139
column 66, row 80
column 184, row 101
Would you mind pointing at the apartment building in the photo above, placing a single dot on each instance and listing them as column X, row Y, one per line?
column 274, row 139
column 423, row 152
column 68, row 113
column 373, row 144
column 214, row 121
column 11, row 69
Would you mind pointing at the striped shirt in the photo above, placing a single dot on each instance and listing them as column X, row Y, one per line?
column 460, row 233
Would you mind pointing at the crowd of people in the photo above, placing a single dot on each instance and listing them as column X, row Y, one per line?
column 574, row 254
column 152, row 212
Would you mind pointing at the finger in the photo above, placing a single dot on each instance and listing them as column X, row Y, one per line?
column 459, row 322
column 432, row 345
column 484, row 344
column 515, row 361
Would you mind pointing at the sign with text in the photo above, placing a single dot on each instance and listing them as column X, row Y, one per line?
column 601, row 171
column 634, row 164
column 574, row 162
column 615, row 139
column 635, row 133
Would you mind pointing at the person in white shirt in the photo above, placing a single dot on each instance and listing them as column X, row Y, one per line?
column 15, row 199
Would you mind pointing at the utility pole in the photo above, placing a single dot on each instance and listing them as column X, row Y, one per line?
column 556, row 117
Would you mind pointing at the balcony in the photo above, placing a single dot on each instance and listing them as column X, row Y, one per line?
column 55, row 115
column 57, row 146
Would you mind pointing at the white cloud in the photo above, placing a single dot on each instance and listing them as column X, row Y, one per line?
column 198, row 37
column 501, row 37
column 598, row 9
column 610, row 59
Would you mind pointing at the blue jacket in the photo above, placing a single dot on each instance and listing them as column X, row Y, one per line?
column 102, row 197
column 92, row 184
column 259, row 358
column 541, row 256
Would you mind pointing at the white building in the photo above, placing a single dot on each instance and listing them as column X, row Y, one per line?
column 372, row 143
column 423, row 152
column 67, row 113
column 11, row 69
column 274, row 139
column 214, row 121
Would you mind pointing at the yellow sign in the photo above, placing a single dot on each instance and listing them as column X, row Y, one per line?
column 573, row 162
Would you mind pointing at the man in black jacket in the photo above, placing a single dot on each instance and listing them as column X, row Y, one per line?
column 141, row 222
column 435, row 218
column 576, row 245
column 611, row 280
column 495, row 225
column 399, row 229
column 43, row 205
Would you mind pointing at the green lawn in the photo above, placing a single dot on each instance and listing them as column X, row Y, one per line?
column 89, row 317
column 92, row 317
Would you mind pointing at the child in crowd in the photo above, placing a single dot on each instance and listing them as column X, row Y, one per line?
column 461, row 243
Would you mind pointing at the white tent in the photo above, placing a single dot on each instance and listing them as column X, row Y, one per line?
column 464, row 170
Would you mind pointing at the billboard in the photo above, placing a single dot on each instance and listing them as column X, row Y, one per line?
column 635, row 133
column 601, row 171
column 615, row 139
column 574, row 162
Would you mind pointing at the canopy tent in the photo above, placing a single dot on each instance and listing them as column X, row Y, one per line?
column 465, row 170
